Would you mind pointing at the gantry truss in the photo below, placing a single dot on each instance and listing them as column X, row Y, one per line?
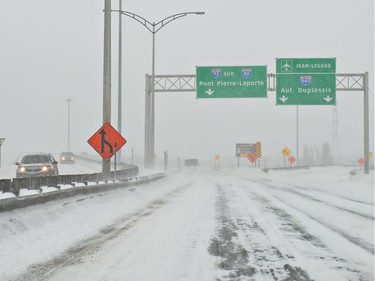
column 187, row 83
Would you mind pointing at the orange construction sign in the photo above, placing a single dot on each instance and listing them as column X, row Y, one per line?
column 252, row 157
column 106, row 141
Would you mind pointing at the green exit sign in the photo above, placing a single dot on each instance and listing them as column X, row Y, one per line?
column 231, row 81
column 309, row 81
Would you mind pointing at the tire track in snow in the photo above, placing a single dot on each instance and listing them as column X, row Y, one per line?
column 92, row 245
column 354, row 240
column 291, row 190
column 234, row 258
column 296, row 232
column 244, row 247
column 330, row 193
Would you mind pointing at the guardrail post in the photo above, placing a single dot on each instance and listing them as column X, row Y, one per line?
column 5, row 185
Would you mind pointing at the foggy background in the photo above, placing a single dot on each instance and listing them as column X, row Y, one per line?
column 53, row 50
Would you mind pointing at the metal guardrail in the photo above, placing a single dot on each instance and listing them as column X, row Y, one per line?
column 15, row 185
column 102, row 186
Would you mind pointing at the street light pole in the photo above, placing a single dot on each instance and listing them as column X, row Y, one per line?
column 106, row 164
column 68, row 101
column 151, row 137
column 150, row 97
column 119, row 108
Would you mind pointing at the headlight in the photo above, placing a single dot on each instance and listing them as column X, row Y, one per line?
column 63, row 158
column 45, row 168
column 21, row 169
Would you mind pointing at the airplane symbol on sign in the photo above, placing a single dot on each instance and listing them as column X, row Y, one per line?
column 286, row 66
column 104, row 141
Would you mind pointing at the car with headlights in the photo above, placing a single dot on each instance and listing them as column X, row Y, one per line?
column 37, row 165
column 67, row 158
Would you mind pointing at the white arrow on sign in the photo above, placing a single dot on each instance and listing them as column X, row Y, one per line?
column 328, row 98
column 209, row 92
column 283, row 98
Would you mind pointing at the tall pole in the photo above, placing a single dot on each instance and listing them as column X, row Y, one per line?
column 106, row 164
column 366, row 123
column 297, row 150
column 1, row 143
column 69, row 101
column 119, row 116
column 147, row 157
column 152, row 131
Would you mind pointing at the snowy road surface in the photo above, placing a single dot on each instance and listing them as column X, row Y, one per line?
column 238, row 224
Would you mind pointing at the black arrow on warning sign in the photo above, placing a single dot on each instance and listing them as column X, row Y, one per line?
column 104, row 141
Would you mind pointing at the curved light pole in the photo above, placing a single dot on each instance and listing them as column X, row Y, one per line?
column 150, row 101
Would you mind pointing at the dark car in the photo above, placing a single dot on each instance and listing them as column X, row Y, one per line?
column 37, row 165
column 67, row 158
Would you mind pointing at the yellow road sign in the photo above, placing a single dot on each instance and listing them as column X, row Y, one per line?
column 286, row 152
column 258, row 149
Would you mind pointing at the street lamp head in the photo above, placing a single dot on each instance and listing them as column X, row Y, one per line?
column 200, row 13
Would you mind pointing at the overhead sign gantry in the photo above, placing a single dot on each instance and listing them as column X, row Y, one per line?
column 188, row 83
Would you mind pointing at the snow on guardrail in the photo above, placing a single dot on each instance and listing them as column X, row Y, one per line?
column 28, row 196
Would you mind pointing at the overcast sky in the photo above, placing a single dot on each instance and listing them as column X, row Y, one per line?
column 53, row 50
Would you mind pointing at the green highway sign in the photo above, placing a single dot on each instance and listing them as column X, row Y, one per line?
column 231, row 81
column 306, row 81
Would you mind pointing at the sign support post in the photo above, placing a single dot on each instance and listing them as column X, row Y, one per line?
column 115, row 172
column 1, row 143
column 366, row 123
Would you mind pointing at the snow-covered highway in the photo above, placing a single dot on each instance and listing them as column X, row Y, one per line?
column 235, row 224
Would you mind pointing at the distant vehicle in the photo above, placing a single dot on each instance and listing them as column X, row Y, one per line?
column 67, row 158
column 37, row 165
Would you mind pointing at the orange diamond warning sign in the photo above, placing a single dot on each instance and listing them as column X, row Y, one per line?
column 106, row 141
